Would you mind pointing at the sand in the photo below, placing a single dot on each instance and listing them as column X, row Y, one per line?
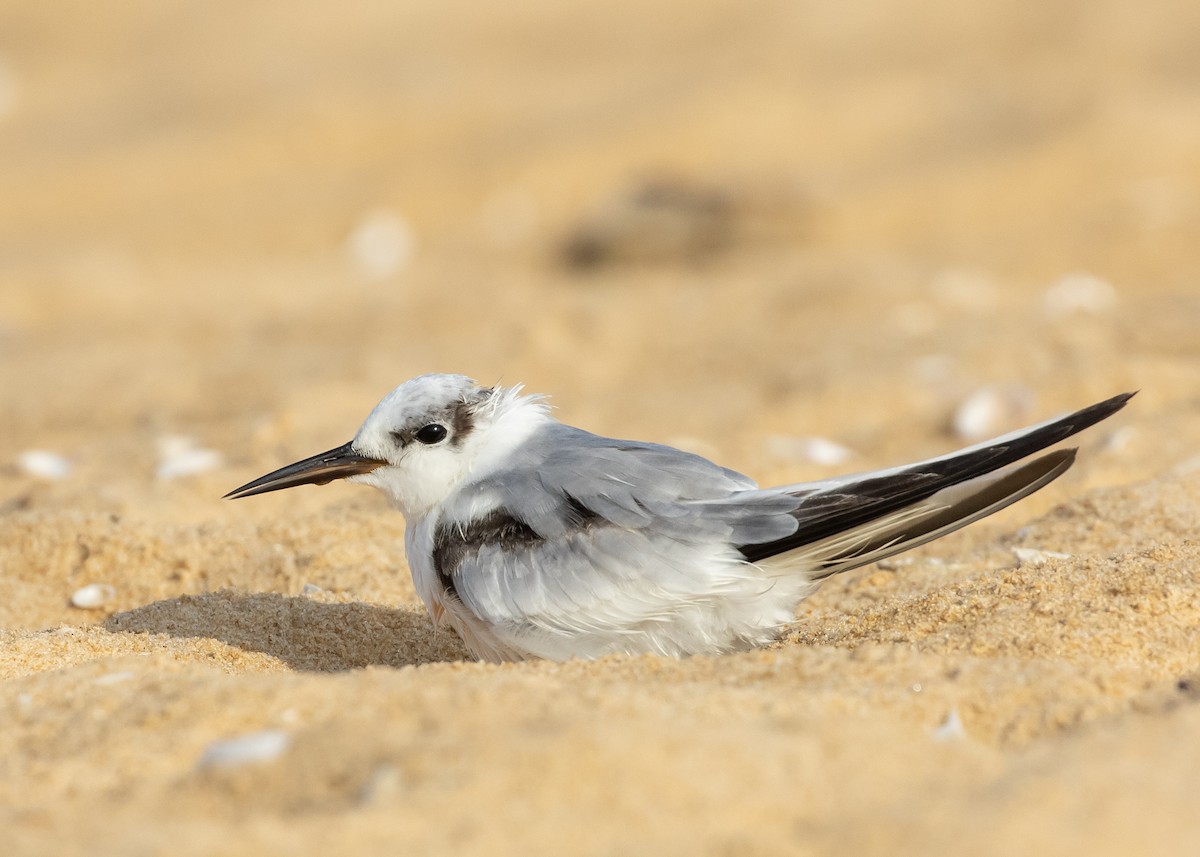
column 226, row 233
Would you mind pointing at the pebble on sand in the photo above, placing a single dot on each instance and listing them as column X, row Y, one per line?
column 245, row 749
column 181, row 456
column 1079, row 294
column 815, row 450
column 44, row 464
column 990, row 410
column 1031, row 556
column 93, row 596
column 113, row 678
column 381, row 245
column 951, row 728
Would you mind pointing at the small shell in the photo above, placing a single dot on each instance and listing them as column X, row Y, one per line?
column 92, row 596
column 817, row 450
column 380, row 245
column 1077, row 294
column 385, row 783
column 951, row 729
column 1186, row 467
column 253, row 747
column 895, row 562
column 113, row 678
column 1031, row 556
column 990, row 410
column 44, row 464
column 1120, row 440
column 180, row 456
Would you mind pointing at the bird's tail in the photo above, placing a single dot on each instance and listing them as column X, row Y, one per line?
column 924, row 521
column 861, row 519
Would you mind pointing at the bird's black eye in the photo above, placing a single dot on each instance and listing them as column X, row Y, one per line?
column 431, row 434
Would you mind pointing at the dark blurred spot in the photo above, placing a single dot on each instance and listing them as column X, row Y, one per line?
column 675, row 221
column 659, row 221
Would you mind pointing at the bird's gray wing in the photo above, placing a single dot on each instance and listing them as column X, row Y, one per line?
column 582, row 533
column 588, row 534
column 564, row 476
column 597, row 579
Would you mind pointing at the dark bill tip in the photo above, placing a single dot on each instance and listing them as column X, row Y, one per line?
column 319, row 470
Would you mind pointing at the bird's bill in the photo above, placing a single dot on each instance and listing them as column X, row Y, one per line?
column 319, row 470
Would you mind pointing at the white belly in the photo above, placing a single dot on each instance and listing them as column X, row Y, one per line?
column 719, row 605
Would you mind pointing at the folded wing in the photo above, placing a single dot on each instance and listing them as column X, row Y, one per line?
column 859, row 519
column 587, row 544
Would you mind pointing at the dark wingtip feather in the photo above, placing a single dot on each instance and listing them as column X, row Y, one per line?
column 1101, row 410
column 1065, row 426
column 824, row 513
column 1018, row 483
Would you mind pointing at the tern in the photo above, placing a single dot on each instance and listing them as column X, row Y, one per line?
column 534, row 539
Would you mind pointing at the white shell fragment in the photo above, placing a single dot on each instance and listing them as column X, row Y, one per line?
column 380, row 245
column 181, row 456
column 1186, row 467
column 990, row 410
column 245, row 749
column 1077, row 294
column 1031, row 556
column 951, row 729
column 93, row 596
column 1121, row 439
column 113, row 678
column 385, row 783
column 44, row 464
column 816, row 450
column 895, row 562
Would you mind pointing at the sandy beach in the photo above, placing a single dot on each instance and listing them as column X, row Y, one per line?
column 799, row 239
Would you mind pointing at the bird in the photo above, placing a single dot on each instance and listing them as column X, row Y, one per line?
column 533, row 539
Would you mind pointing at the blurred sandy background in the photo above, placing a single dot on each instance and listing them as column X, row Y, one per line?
column 227, row 229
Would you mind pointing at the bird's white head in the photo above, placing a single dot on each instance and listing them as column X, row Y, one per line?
column 421, row 442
